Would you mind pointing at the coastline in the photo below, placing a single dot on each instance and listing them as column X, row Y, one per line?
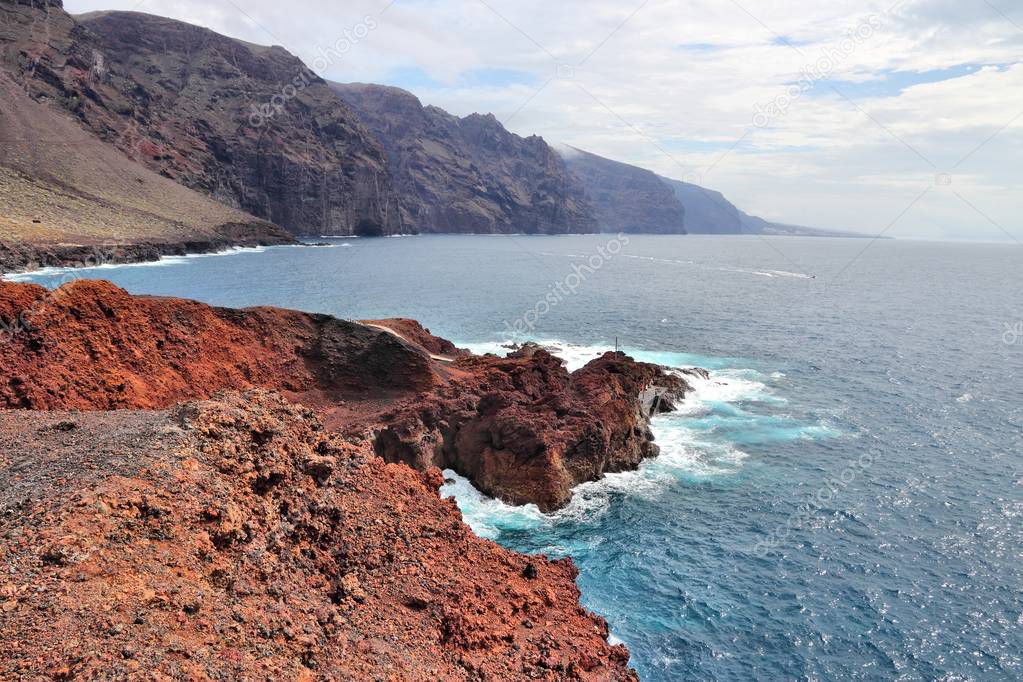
column 28, row 258
column 167, row 258
column 293, row 411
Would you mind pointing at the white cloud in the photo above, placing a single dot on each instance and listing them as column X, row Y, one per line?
column 675, row 86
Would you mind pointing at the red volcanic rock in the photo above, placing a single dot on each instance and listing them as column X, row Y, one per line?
column 521, row 428
column 90, row 345
column 236, row 539
column 525, row 430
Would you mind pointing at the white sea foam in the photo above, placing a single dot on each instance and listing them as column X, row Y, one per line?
column 163, row 261
column 686, row 452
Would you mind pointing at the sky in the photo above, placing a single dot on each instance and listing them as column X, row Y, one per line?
column 903, row 118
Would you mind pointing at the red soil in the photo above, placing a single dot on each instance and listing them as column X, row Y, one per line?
column 236, row 539
column 92, row 346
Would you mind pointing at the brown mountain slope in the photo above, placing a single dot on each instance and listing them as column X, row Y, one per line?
column 225, row 117
column 468, row 174
column 66, row 196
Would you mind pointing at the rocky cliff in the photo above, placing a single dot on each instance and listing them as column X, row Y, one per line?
column 468, row 175
column 251, row 126
column 707, row 211
column 66, row 197
column 626, row 198
column 525, row 430
column 244, row 535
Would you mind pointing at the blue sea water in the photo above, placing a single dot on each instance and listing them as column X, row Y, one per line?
column 843, row 499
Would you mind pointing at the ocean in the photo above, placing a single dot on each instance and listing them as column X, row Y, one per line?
column 842, row 499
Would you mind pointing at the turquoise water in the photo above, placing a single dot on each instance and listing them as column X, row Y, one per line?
column 841, row 500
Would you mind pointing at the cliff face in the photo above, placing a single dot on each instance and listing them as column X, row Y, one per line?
column 236, row 539
column 66, row 197
column 248, row 125
column 626, row 198
column 707, row 211
column 469, row 174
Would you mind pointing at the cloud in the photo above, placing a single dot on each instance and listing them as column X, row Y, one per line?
column 674, row 86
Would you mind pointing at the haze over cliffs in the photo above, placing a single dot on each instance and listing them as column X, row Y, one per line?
column 626, row 198
column 468, row 174
column 709, row 212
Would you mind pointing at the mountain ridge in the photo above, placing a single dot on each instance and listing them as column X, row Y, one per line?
column 248, row 125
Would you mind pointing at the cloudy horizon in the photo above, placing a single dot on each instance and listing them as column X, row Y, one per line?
column 875, row 117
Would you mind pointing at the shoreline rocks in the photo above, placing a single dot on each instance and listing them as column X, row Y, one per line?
column 26, row 257
column 525, row 430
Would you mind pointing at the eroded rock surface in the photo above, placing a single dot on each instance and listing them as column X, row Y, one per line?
column 525, row 430
column 92, row 346
column 236, row 539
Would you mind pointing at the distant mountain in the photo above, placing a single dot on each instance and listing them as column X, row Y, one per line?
column 626, row 198
column 468, row 175
column 709, row 212
column 248, row 125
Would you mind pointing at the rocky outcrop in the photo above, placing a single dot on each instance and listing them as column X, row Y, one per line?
column 521, row 428
column 525, row 430
column 242, row 536
column 468, row 175
column 236, row 539
column 411, row 330
column 251, row 126
column 92, row 346
column 626, row 198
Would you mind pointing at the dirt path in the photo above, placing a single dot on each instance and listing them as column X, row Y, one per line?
column 433, row 356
